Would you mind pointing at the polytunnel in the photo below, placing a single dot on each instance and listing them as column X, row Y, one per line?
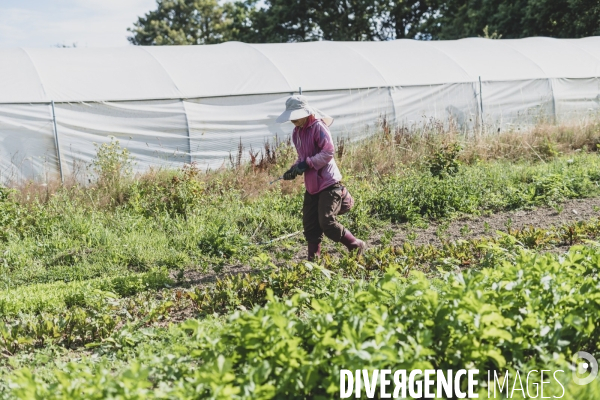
column 173, row 105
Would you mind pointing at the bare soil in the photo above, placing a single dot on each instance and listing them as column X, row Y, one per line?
column 195, row 277
column 472, row 227
column 436, row 233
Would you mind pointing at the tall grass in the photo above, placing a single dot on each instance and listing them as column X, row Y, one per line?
column 182, row 219
column 389, row 150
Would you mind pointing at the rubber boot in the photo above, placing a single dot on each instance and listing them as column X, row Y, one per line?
column 314, row 250
column 353, row 243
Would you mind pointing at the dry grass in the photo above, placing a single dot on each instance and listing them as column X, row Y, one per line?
column 541, row 143
column 396, row 147
column 389, row 151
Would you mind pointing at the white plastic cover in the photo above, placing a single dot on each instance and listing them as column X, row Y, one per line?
column 155, row 132
column 27, row 143
column 175, row 104
column 575, row 99
column 417, row 105
column 148, row 73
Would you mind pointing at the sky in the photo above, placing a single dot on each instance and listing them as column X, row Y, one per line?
column 87, row 23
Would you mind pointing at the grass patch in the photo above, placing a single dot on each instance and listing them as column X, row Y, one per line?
column 188, row 219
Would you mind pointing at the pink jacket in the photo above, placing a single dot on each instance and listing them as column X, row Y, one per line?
column 314, row 145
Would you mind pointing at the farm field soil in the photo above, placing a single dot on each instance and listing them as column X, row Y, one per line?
column 471, row 227
column 436, row 233
column 142, row 358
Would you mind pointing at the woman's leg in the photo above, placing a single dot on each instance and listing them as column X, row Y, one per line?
column 310, row 220
column 330, row 202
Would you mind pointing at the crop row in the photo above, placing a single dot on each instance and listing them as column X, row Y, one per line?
column 58, row 296
column 246, row 290
column 94, row 319
column 91, row 315
column 532, row 313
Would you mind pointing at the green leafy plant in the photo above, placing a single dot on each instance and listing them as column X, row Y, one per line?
column 445, row 161
column 113, row 164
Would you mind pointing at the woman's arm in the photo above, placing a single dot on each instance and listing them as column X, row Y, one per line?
column 325, row 144
column 296, row 137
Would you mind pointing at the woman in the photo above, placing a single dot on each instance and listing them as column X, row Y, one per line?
column 325, row 197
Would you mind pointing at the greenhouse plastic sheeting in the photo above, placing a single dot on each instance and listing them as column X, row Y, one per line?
column 172, row 105
column 27, row 143
column 154, row 132
column 575, row 99
column 510, row 103
column 218, row 125
column 419, row 105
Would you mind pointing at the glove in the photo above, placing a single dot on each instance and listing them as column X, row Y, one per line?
column 290, row 174
column 301, row 167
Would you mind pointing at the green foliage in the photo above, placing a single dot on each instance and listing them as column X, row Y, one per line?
column 517, row 19
column 483, row 187
column 530, row 313
column 182, row 195
column 444, row 161
column 112, row 164
column 221, row 242
column 57, row 296
column 87, row 319
column 79, row 280
column 177, row 22
column 181, row 221
column 481, row 318
column 246, row 291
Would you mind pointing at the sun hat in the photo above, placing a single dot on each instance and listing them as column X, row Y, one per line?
column 297, row 107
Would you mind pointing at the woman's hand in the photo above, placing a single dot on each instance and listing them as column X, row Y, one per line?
column 297, row 169
column 301, row 167
column 290, row 174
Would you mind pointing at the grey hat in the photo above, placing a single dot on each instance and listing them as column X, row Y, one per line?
column 297, row 107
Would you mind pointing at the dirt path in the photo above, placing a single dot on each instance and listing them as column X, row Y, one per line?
column 468, row 227
column 471, row 227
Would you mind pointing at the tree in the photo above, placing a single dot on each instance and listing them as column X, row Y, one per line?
column 406, row 19
column 177, row 22
column 240, row 15
column 342, row 20
column 468, row 18
column 348, row 20
column 278, row 21
column 517, row 19
column 562, row 18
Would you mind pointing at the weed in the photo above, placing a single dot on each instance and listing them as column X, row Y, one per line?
column 387, row 237
column 113, row 167
column 465, row 230
column 442, row 229
column 486, row 228
column 444, row 161
column 557, row 207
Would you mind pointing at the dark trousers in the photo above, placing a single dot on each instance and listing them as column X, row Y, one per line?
column 319, row 212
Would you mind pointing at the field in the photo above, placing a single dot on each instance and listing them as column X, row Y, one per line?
column 484, row 253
